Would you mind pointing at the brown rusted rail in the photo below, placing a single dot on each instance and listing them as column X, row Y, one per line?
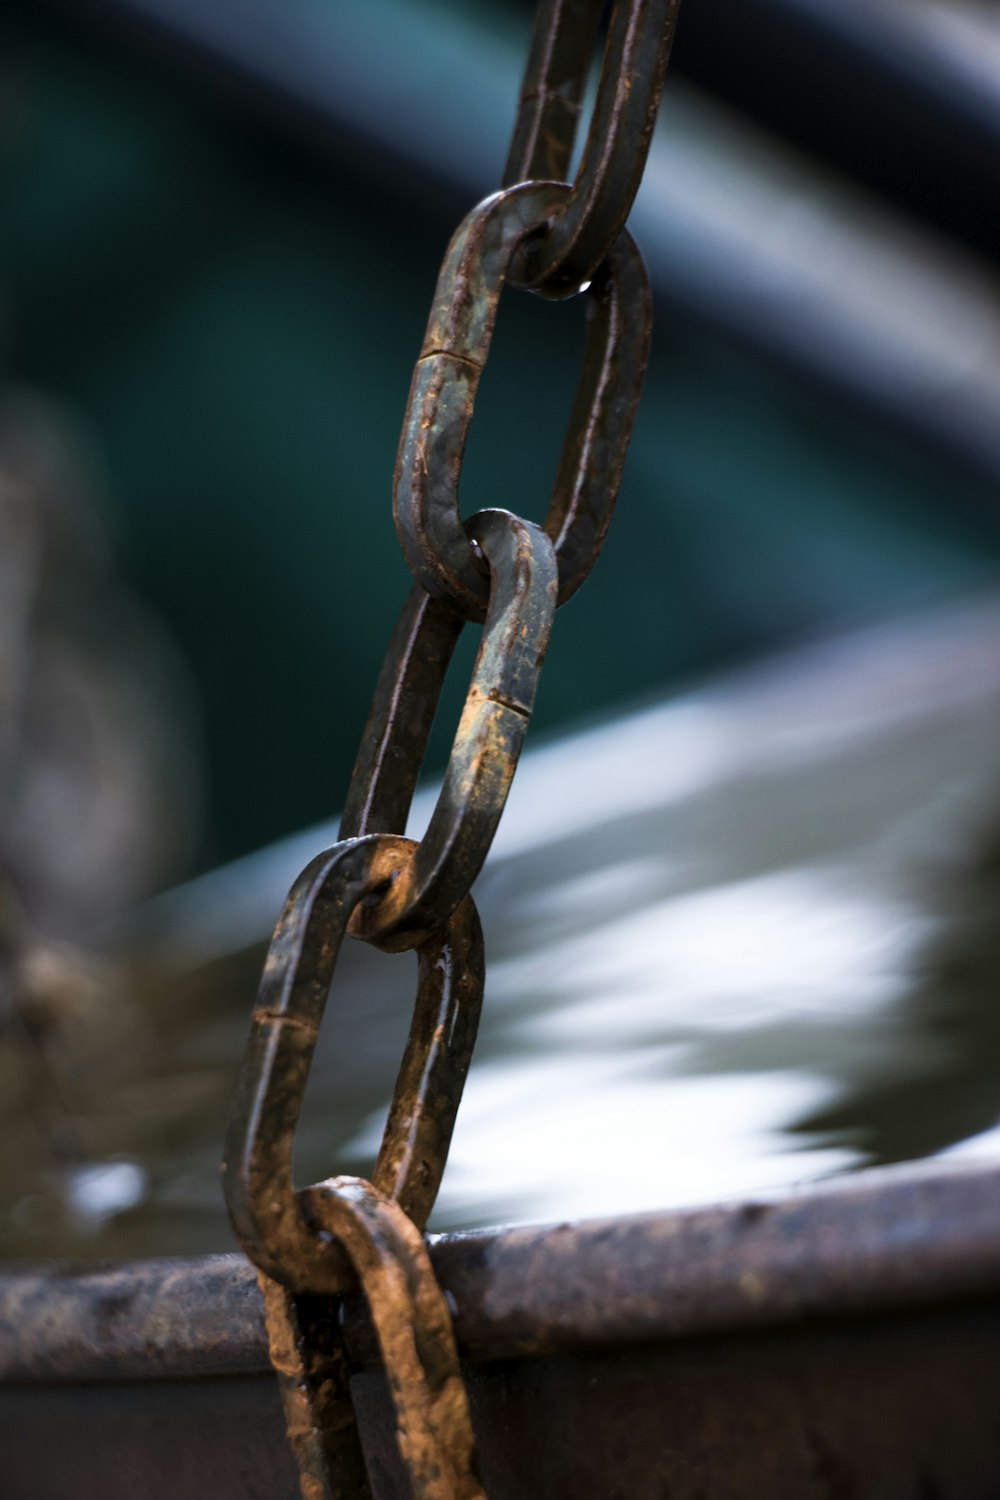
column 896, row 1237
column 846, row 1336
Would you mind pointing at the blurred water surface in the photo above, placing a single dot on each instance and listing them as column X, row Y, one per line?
column 737, row 939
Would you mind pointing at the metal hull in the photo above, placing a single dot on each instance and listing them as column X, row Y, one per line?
column 841, row 1342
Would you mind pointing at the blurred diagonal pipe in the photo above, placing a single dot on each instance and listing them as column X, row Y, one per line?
column 737, row 230
column 902, row 95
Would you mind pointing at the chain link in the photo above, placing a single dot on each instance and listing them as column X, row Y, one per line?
column 414, row 1332
column 267, row 1211
column 311, row 1243
column 559, row 260
column 446, row 378
column 487, row 743
column 555, row 77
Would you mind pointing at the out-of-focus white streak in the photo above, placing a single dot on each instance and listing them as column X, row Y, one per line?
column 705, row 921
column 809, row 706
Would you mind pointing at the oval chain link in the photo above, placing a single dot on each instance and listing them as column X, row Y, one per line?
column 559, row 260
column 443, row 393
column 267, row 1212
column 414, row 1332
column 487, row 744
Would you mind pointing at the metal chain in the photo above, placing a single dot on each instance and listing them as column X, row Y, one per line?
column 558, row 261
column 522, row 601
column 304, row 1240
column 312, row 1243
column 443, row 394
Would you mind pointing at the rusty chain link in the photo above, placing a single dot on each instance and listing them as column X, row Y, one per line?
column 581, row 233
column 317, row 1242
column 265, row 1208
column 446, row 378
column 487, row 743
column 304, row 1240
column 414, row 1332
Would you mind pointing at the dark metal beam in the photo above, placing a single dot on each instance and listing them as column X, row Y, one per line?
column 864, row 1245
column 899, row 96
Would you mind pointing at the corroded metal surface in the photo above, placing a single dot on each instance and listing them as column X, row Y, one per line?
column 555, row 75
column 899, row 1409
column 317, row 1240
column 881, row 1409
column 425, row 890
column 140, row 1320
column 431, row 1426
column 446, row 378
column 267, row 1213
column 306, row 1349
column 841, row 1343
column 890, row 1240
column 586, row 226
column 402, row 895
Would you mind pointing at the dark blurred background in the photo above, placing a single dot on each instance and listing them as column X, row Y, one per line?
column 219, row 232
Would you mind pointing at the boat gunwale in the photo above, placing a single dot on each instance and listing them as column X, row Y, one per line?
column 879, row 1240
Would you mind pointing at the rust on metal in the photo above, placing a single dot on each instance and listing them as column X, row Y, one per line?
column 555, row 76
column 840, row 1342
column 394, row 739
column 559, row 258
column 864, row 1245
column 278, row 1226
column 446, row 378
column 311, row 1242
column 145, row 1320
column 264, row 1206
column 307, row 1352
column 881, row 1242
column 893, row 1406
column 425, row 890
column 412, row 1324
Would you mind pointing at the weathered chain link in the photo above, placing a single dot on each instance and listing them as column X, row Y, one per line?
column 555, row 77
column 414, row 1332
column 446, row 378
column 550, row 237
column 487, row 743
column 558, row 261
column 266, row 1210
column 320, row 1239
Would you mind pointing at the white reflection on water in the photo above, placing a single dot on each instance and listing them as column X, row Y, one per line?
column 566, row 1137
column 98, row 1191
column 595, row 1096
column 735, row 941
column 717, row 919
column 982, row 1147
column 790, row 943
